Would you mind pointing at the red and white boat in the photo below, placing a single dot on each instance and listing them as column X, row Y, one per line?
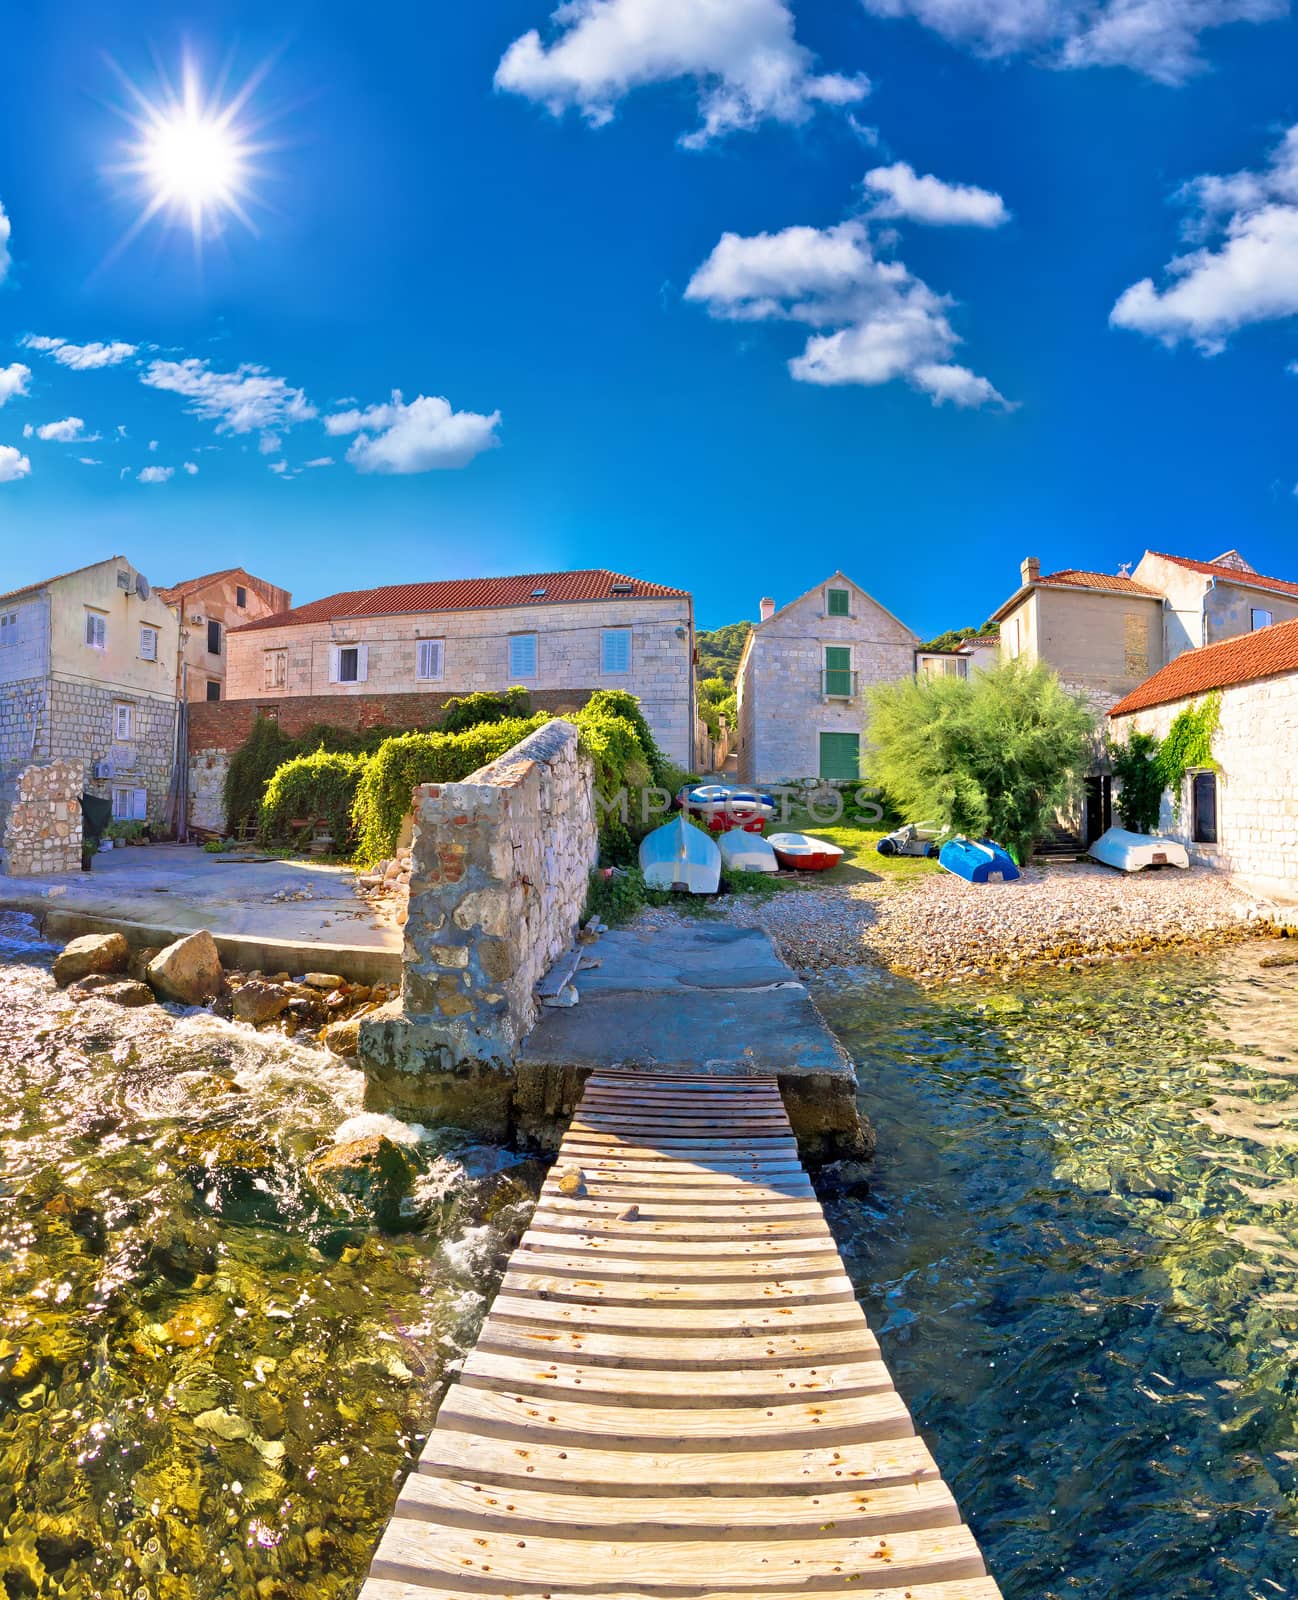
column 802, row 853
column 723, row 806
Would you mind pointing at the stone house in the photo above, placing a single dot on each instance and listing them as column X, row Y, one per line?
column 207, row 608
column 1207, row 601
column 546, row 631
column 1241, row 816
column 803, row 677
column 88, row 675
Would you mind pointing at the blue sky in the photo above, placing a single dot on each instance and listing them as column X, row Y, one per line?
column 669, row 287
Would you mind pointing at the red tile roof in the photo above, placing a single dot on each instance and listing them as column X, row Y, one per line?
column 1228, row 574
column 1264, row 654
column 469, row 594
column 178, row 591
column 1110, row 582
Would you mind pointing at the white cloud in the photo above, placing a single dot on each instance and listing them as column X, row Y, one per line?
column 883, row 322
column 68, row 431
column 279, row 467
column 420, row 437
column 89, row 461
column 321, row 461
column 13, row 380
column 81, row 357
column 1246, row 267
column 247, row 400
column 191, row 467
column 269, row 443
column 28, row 430
column 1160, row 38
column 153, row 444
column 5, row 257
column 903, row 193
column 741, row 56
column 13, row 464
column 154, row 475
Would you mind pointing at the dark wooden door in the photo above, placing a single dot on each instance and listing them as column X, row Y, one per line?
column 1205, row 808
column 1099, row 806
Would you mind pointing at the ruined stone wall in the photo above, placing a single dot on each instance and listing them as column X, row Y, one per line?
column 501, row 866
column 43, row 828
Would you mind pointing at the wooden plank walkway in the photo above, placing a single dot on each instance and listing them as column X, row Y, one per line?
column 675, row 1393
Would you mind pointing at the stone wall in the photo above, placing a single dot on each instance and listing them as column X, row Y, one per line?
column 81, row 729
column 1256, row 749
column 43, row 828
column 501, row 866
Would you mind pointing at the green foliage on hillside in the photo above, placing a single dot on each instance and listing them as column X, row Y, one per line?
column 991, row 756
column 720, row 650
column 954, row 637
column 717, row 699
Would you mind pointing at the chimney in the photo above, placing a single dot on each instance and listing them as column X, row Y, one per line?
column 767, row 609
column 1029, row 570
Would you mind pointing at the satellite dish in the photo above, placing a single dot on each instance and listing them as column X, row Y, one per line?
column 142, row 586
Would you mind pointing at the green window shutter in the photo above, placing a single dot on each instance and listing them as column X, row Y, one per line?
column 838, row 672
column 840, row 757
column 838, row 599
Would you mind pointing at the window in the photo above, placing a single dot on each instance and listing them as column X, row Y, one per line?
column 130, row 805
column 836, row 681
column 275, row 669
column 8, row 628
column 428, row 659
column 838, row 603
column 148, row 644
column 349, row 663
column 1203, row 787
column 1013, row 638
column 213, row 689
column 840, row 757
column 123, row 722
column 522, row 655
column 214, row 638
column 96, row 630
column 241, row 597
column 615, row 650
column 944, row 666
column 1260, row 618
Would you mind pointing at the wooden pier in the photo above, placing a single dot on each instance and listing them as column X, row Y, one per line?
column 675, row 1393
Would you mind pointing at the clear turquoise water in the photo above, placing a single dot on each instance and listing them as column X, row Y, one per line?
column 1081, row 1254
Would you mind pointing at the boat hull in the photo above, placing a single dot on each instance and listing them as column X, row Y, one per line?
column 680, row 856
column 723, row 806
column 1132, row 852
column 746, row 852
column 799, row 852
column 977, row 861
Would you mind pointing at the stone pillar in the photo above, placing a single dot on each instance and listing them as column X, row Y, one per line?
column 42, row 832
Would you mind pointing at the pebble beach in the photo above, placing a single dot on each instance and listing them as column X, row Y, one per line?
column 941, row 929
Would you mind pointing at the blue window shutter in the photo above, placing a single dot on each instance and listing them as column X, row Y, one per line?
column 616, row 650
column 522, row 655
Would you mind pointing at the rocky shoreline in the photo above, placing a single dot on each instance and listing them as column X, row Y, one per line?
column 940, row 929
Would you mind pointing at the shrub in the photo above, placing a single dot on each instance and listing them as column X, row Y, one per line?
column 322, row 785
column 1189, row 744
column 608, row 703
column 1140, row 795
column 471, row 710
column 992, row 755
column 401, row 763
column 251, row 768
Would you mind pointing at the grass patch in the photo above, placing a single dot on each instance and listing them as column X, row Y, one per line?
column 861, row 862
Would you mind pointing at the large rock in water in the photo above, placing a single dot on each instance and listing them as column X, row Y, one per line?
column 344, row 1038
column 188, row 971
column 371, row 1169
column 258, row 1002
column 93, row 952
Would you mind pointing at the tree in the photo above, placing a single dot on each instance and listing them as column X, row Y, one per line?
column 991, row 756
column 716, row 700
column 1140, row 778
column 720, row 650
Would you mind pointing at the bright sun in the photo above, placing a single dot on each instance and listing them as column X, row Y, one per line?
column 192, row 156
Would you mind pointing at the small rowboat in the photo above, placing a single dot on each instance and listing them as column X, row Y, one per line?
column 977, row 860
column 746, row 852
column 680, row 856
column 802, row 853
column 726, row 805
column 1129, row 852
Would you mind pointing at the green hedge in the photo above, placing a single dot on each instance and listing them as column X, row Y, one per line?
column 267, row 749
column 322, row 784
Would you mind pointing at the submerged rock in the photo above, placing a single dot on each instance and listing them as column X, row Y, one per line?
column 93, row 952
column 104, row 986
column 373, row 1170
column 188, row 971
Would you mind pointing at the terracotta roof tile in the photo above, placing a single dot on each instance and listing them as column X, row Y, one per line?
column 1111, row 582
column 1266, row 653
column 469, row 594
column 1252, row 580
column 178, row 591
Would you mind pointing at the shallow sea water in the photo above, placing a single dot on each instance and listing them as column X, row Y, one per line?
column 1081, row 1254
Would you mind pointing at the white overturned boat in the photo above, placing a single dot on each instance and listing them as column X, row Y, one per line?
column 1130, row 852
column 746, row 852
column 680, row 856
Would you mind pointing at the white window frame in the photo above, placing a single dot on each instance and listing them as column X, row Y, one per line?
column 622, row 638
column 9, row 628
column 130, row 804
column 272, row 661
column 517, row 672
column 430, row 659
column 336, row 664
column 148, row 642
column 123, row 722
column 96, row 630
column 1260, row 611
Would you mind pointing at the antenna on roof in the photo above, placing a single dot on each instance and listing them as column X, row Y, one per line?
column 1124, row 571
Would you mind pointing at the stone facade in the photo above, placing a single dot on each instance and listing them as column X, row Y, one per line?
column 43, row 828
column 298, row 659
column 229, row 599
column 501, row 868
column 1204, row 608
column 1256, row 749
column 783, row 686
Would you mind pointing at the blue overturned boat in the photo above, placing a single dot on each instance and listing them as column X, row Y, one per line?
column 977, row 860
